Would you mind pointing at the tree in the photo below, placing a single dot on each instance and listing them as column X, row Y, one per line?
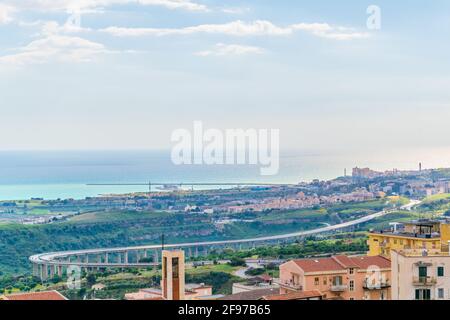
column 237, row 262
column 56, row 279
column 91, row 279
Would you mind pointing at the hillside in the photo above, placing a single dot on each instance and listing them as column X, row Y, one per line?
column 124, row 228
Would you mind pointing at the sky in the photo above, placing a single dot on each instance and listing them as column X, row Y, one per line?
column 124, row 74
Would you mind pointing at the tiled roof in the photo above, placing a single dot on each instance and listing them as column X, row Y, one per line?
column 346, row 262
column 194, row 286
column 265, row 277
column 365, row 262
column 340, row 263
column 252, row 295
column 153, row 299
column 301, row 295
column 45, row 295
column 318, row 265
column 152, row 291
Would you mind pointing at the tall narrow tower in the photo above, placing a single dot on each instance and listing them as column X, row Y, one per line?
column 173, row 275
column 420, row 166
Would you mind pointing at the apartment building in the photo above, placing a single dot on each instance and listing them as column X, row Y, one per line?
column 420, row 275
column 339, row 277
column 418, row 234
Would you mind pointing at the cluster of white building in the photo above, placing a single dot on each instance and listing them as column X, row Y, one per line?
column 302, row 201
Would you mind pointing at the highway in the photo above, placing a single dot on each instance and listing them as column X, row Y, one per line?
column 58, row 258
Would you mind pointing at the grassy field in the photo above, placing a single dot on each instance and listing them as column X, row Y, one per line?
column 437, row 197
column 226, row 268
column 103, row 216
column 437, row 204
column 383, row 222
column 303, row 214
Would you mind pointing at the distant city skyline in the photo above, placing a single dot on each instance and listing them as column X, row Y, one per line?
column 134, row 71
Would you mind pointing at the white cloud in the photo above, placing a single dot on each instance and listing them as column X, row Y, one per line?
column 56, row 44
column 221, row 49
column 235, row 28
column 240, row 28
column 176, row 4
column 325, row 30
column 52, row 27
column 83, row 5
column 55, row 47
column 236, row 10
column 6, row 13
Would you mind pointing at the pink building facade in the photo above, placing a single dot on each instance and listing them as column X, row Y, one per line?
column 339, row 277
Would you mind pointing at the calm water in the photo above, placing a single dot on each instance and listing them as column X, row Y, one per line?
column 52, row 175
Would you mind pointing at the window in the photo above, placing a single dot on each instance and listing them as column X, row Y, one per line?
column 440, row 271
column 175, row 268
column 165, row 267
column 316, row 281
column 337, row 281
column 395, row 241
column 423, row 294
column 352, row 285
column 401, row 242
column 423, row 272
column 351, row 271
column 325, row 281
column 440, row 293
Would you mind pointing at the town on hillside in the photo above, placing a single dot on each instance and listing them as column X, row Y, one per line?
column 369, row 236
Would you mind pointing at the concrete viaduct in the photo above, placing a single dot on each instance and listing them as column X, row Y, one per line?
column 47, row 265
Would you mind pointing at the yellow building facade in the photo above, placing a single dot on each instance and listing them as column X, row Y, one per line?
column 419, row 235
column 383, row 243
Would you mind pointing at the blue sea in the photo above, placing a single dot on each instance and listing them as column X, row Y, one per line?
column 66, row 174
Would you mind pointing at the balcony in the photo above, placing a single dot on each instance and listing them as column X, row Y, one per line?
column 378, row 285
column 289, row 285
column 338, row 288
column 424, row 281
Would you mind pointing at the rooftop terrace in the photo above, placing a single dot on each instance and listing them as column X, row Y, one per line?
column 423, row 253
